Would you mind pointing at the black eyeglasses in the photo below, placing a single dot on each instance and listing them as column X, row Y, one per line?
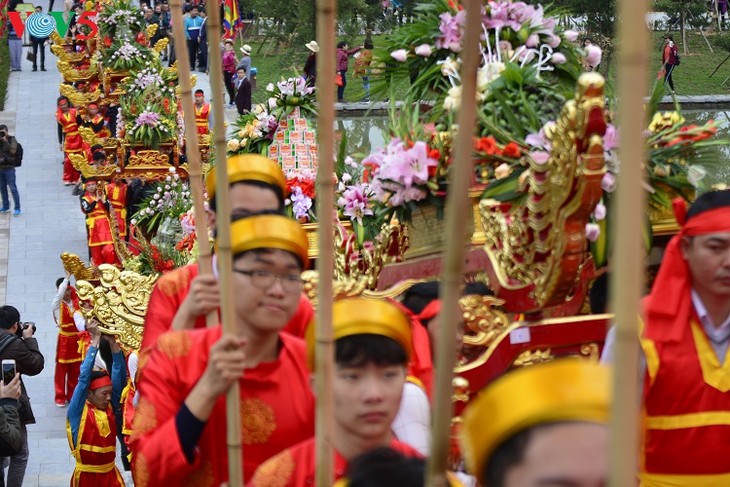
column 290, row 283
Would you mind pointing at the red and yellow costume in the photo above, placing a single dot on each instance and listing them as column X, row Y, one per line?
column 202, row 116
column 98, row 125
column 170, row 291
column 72, row 141
column 100, row 238
column 70, row 350
column 277, row 411
column 296, row 466
column 96, row 449
column 116, row 195
column 686, row 389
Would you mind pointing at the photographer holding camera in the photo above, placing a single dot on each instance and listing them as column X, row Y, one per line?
column 17, row 343
column 8, row 162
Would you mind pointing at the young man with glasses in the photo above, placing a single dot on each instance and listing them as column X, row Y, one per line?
column 179, row 429
column 181, row 298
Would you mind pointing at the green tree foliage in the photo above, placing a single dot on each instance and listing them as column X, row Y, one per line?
column 684, row 13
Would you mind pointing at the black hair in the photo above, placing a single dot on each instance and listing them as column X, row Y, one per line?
column 670, row 38
column 709, row 201
column 259, row 184
column 59, row 281
column 360, row 350
column 268, row 251
column 385, row 467
column 508, row 454
column 9, row 315
column 3, row 127
column 199, row 91
column 96, row 147
column 478, row 288
column 63, row 98
column 99, row 156
column 417, row 297
column 598, row 296
column 96, row 374
column 341, row 44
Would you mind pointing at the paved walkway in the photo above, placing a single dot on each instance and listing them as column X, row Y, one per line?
column 30, row 246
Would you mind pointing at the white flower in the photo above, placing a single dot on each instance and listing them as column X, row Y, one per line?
column 453, row 100
column 450, row 67
column 399, row 55
column 233, row 145
column 423, row 50
column 695, row 174
column 270, row 87
column 346, row 178
column 488, row 73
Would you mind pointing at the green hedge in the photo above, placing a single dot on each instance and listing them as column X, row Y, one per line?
column 4, row 70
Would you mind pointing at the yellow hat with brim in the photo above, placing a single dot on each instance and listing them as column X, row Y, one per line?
column 249, row 167
column 365, row 316
column 269, row 232
column 568, row 389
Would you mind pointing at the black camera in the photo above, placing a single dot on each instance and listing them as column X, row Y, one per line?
column 24, row 326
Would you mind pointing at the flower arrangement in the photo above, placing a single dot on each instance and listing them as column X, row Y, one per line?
column 255, row 132
column 290, row 93
column 120, row 15
column 124, row 55
column 170, row 199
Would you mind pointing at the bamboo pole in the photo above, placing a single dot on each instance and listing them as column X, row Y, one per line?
column 626, row 283
column 326, row 11
column 457, row 205
column 205, row 259
column 223, row 229
column 324, row 370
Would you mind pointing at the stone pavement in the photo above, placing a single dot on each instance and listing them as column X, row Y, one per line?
column 30, row 246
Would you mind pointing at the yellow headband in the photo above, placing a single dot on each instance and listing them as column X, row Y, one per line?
column 361, row 316
column 249, row 167
column 563, row 390
column 269, row 232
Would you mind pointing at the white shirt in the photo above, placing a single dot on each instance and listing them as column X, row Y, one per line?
column 412, row 424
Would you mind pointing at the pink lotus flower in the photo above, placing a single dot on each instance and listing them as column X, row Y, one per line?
column 399, row 55
column 593, row 55
column 558, row 58
column 593, row 231
column 610, row 138
column 533, row 40
column 570, row 35
column 608, row 183
column 599, row 213
column 423, row 50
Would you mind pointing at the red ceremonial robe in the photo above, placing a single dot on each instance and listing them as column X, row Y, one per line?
column 69, row 352
column 96, row 449
column 277, row 411
column 295, row 467
column 202, row 115
column 168, row 295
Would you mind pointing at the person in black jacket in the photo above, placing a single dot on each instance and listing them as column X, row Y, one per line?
column 17, row 342
column 11, row 435
column 243, row 91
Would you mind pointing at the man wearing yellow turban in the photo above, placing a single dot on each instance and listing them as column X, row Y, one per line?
column 181, row 298
column 541, row 425
column 372, row 349
column 179, row 430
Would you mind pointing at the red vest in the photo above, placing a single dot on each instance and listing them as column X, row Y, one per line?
column 96, row 449
column 686, row 410
column 201, row 119
column 72, row 141
column 69, row 348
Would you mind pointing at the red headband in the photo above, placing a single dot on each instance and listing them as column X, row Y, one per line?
column 430, row 311
column 100, row 382
column 669, row 301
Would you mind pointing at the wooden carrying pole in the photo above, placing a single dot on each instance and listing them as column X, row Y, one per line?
column 457, row 205
column 223, row 229
column 324, row 368
column 205, row 258
column 628, row 258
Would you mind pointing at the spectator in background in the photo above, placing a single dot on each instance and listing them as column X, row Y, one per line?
column 310, row 66
column 362, row 66
column 22, row 347
column 343, row 60
column 229, row 69
column 8, row 163
column 670, row 59
column 203, row 49
column 243, row 92
column 245, row 61
column 39, row 44
column 15, row 43
column 193, row 24
column 166, row 30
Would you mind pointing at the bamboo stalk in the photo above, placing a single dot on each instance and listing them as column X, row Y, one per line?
column 324, row 370
column 457, row 205
column 223, row 229
column 205, row 259
column 626, row 284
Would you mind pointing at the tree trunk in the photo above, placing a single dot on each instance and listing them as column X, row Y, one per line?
column 682, row 20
